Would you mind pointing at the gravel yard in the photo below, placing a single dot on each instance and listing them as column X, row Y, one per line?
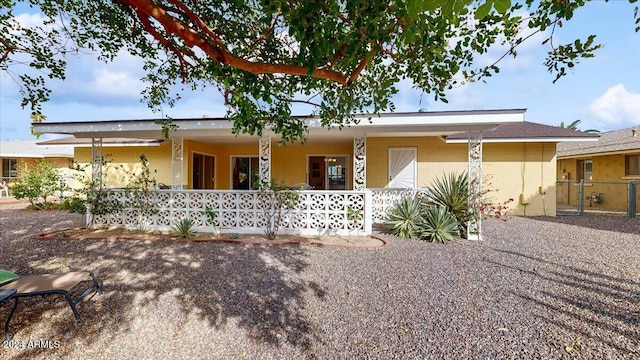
column 565, row 287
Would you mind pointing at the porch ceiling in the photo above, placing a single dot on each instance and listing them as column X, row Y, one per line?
column 219, row 130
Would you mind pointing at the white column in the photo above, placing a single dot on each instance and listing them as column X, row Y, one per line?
column 265, row 160
column 177, row 162
column 368, row 213
column 359, row 163
column 96, row 162
column 474, row 226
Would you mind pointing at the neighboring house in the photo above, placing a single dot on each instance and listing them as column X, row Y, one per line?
column 392, row 151
column 606, row 166
column 520, row 160
column 17, row 155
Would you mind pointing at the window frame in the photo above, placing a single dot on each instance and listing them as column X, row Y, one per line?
column 627, row 162
column 581, row 170
column 9, row 171
column 250, row 176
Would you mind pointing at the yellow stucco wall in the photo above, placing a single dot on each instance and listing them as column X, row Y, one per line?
column 289, row 163
column 522, row 168
column 56, row 162
column 510, row 169
column 125, row 160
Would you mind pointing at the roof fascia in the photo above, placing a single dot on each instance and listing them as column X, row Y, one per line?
column 592, row 154
column 520, row 140
column 482, row 119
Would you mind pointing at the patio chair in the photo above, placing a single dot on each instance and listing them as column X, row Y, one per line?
column 4, row 189
column 48, row 284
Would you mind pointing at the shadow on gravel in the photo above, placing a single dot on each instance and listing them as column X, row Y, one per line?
column 255, row 288
column 596, row 306
column 599, row 222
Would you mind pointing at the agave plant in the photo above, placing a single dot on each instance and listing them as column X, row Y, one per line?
column 184, row 228
column 404, row 219
column 438, row 224
column 451, row 191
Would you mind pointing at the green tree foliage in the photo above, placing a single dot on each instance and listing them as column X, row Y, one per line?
column 37, row 183
column 574, row 126
column 337, row 57
column 275, row 197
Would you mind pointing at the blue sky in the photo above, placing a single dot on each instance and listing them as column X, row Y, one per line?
column 603, row 92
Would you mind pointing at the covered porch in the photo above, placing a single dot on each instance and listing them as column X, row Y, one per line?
column 211, row 168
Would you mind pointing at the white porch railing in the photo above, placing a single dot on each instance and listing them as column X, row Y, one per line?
column 384, row 198
column 240, row 211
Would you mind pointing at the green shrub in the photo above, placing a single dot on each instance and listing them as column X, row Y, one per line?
column 184, row 228
column 451, row 192
column 439, row 225
column 38, row 182
column 75, row 205
column 404, row 219
column 275, row 197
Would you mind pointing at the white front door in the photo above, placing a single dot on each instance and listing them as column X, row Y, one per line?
column 402, row 167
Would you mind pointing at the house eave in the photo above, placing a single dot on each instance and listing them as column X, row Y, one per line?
column 521, row 140
column 592, row 154
column 433, row 123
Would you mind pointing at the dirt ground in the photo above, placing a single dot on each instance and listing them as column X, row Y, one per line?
column 249, row 239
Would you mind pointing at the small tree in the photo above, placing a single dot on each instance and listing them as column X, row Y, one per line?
column 38, row 183
column 354, row 217
column 139, row 192
column 276, row 197
column 93, row 191
column 212, row 217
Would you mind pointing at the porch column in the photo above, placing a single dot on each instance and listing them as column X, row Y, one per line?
column 265, row 160
column 474, row 226
column 177, row 162
column 96, row 162
column 359, row 162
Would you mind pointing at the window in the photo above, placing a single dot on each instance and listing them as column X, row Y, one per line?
column 585, row 170
column 336, row 172
column 9, row 168
column 328, row 172
column 632, row 163
column 244, row 173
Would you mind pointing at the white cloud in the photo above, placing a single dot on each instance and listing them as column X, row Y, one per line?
column 30, row 20
column 109, row 82
column 617, row 106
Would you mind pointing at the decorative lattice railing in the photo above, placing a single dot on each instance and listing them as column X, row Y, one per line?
column 241, row 211
column 382, row 199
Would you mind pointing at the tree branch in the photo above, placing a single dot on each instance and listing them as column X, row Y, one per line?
column 193, row 17
column 156, row 35
column 219, row 54
column 363, row 63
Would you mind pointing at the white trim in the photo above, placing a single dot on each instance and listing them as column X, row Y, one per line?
column 395, row 123
column 520, row 140
column 34, row 156
column 594, row 154
column 115, row 145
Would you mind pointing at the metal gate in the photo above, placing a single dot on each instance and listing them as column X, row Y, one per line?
column 597, row 198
